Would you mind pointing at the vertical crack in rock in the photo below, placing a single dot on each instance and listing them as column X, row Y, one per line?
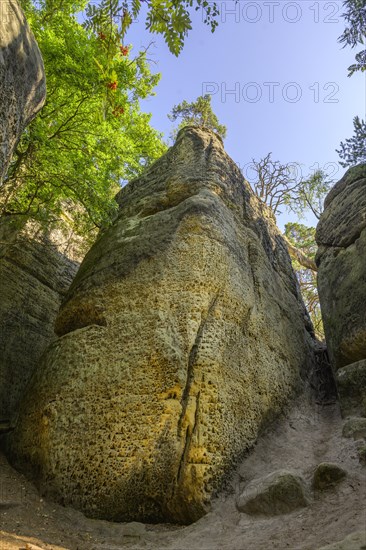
column 183, row 458
column 191, row 362
column 253, row 260
column 246, row 320
column 196, row 413
column 186, row 392
column 209, row 151
column 188, row 438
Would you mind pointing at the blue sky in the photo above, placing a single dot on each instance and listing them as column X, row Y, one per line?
column 283, row 54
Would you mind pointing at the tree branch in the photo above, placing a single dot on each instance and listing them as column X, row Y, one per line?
column 299, row 256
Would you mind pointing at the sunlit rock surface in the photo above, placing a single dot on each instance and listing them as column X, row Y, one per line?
column 181, row 336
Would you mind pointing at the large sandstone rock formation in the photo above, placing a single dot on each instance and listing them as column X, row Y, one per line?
column 181, row 336
column 22, row 80
column 36, row 270
column 341, row 259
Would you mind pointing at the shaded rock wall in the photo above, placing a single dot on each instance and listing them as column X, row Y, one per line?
column 22, row 79
column 182, row 334
column 341, row 259
column 36, row 270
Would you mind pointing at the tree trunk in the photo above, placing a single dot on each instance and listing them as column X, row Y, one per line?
column 299, row 256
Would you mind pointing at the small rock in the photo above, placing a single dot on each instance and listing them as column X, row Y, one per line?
column 278, row 493
column 355, row 427
column 134, row 529
column 327, row 475
column 354, row 541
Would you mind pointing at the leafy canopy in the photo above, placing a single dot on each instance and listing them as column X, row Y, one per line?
column 355, row 32
column 303, row 238
column 90, row 135
column 197, row 113
column 310, row 194
column 170, row 18
column 353, row 150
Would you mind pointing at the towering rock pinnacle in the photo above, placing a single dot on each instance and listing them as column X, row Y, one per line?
column 181, row 336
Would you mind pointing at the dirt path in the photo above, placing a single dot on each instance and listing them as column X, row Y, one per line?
column 307, row 435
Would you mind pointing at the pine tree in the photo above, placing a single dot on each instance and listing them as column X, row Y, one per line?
column 197, row 113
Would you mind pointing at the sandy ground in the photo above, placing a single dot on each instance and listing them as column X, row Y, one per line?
column 305, row 436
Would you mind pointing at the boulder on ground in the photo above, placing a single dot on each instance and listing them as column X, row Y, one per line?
column 327, row 475
column 278, row 493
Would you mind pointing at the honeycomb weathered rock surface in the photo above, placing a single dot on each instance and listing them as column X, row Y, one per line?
column 181, row 336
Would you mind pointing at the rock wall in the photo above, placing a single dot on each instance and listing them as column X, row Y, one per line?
column 341, row 259
column 22, row 79
column 181, row 336
column 36, row 270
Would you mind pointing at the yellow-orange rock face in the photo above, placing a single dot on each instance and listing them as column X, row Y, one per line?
column 182, row 334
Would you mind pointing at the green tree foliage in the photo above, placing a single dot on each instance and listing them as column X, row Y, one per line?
column 353, row 150
column 303, row 239
column 170, row 18
column 90, row 135
column 197, row 113
column 355, row 32
column 310, row 194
